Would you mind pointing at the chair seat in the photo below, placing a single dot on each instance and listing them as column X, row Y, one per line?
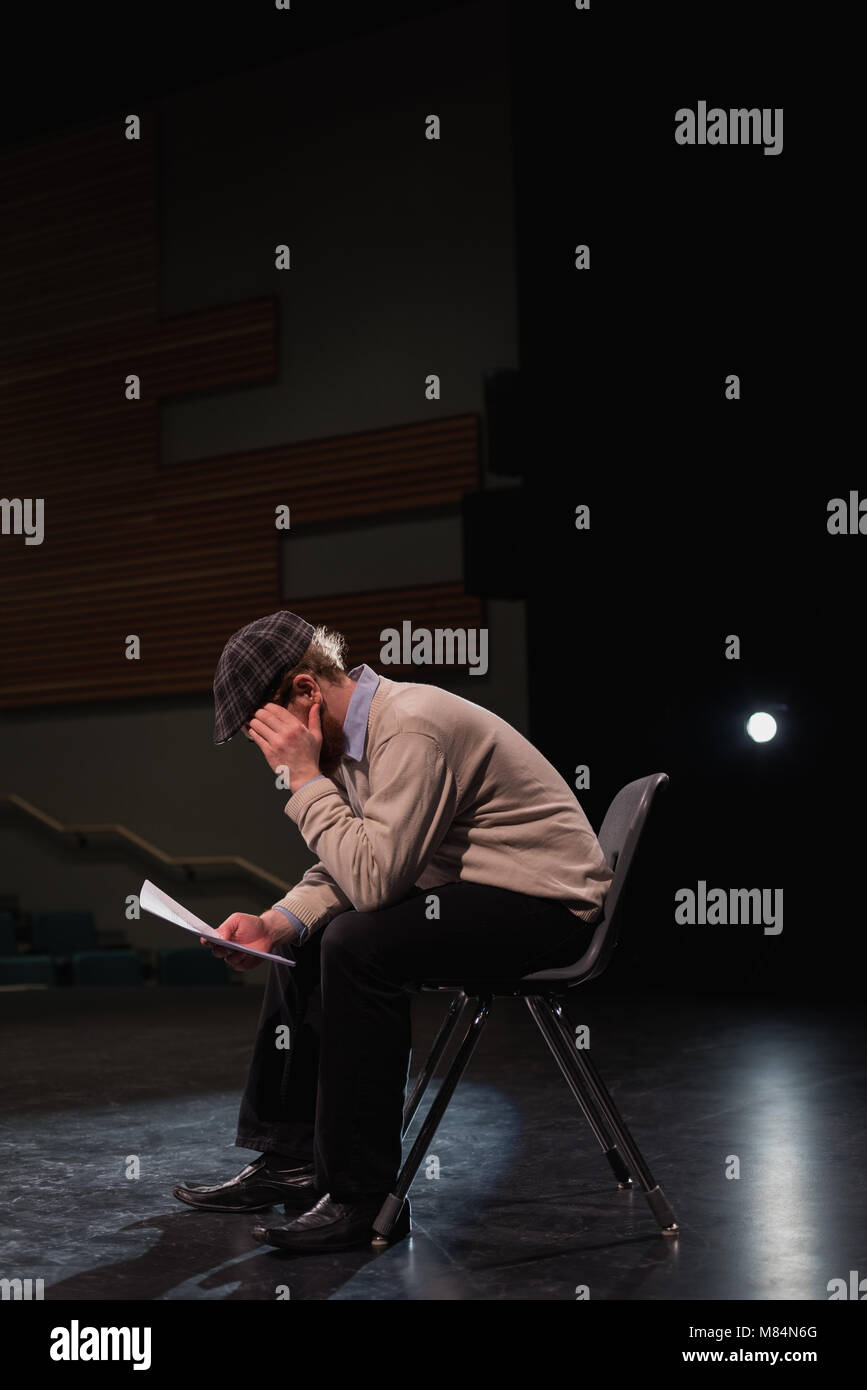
column 522, row 985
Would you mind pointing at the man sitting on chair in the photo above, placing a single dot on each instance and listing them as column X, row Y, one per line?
column 420, row 807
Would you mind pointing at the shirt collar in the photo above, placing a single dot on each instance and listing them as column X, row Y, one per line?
column 358, row 709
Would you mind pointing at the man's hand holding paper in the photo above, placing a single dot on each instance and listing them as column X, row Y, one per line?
column 249, row 930
column 251, row 934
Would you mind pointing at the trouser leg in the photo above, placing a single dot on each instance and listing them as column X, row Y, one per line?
column 278, row 1108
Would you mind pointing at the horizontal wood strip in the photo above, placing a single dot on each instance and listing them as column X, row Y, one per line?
column 108, row 624
column 156, row 347
column 196, row 553
column 78, row 238
column 175, row 663
column 130, row 601
column 67, row 161
column 434, row 469
column 311, row 466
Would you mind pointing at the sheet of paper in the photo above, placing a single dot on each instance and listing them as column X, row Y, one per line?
column 154, row 900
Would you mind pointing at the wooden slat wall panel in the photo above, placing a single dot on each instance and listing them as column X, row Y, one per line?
column 67, row 405
column 182, row 575
column 186, row 519
column 184, row 555
column 78, row 244
column 180, row 657
column 361, row 618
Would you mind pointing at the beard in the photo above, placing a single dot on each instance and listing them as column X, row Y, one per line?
column 333, row 742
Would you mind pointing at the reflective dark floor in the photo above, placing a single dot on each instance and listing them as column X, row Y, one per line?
column 524, row 1205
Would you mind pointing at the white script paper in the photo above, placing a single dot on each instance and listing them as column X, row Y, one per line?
column 154, row 900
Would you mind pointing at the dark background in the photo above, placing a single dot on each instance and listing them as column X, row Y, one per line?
column 708, row 516
column 711, row 513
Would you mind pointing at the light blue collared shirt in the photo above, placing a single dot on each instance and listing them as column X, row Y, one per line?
column 355, row 735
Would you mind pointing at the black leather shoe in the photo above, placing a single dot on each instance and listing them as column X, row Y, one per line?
column 258, row 1186
column 334, row 1225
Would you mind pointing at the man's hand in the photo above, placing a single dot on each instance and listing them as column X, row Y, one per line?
column 286, row 741
column 250, row 931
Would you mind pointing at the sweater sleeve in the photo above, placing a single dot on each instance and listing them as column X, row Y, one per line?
column 412, row 803
column 314, row 900
column 301, row 932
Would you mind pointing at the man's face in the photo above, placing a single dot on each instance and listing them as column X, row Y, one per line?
column 333, row 740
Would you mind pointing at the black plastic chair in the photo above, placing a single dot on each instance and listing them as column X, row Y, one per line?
column 542, row 991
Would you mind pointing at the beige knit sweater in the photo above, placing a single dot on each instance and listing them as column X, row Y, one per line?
column 446, row 790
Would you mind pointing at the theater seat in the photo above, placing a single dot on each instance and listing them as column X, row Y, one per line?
column 121, row 968
column 191, row 967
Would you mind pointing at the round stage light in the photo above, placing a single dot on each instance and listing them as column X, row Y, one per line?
column 761, row 727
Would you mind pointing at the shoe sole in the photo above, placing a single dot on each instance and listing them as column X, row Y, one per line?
column 211, row 1206
column 310, row 1248
column 260, row 1206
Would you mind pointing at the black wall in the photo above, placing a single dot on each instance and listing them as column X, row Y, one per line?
column 708, row 516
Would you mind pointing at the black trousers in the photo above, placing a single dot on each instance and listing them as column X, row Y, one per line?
column 335, row 1095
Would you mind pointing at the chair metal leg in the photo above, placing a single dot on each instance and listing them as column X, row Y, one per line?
column 563, row 1057
column 393, row 1204
column 603, row 1101
column 441, row 1042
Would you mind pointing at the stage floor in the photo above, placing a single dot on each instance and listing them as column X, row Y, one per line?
column 524, row 1207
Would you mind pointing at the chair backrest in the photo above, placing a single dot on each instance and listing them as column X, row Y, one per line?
column 619, row 834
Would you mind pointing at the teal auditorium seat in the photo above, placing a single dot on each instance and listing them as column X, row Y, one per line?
column 121, row 968
column 26, row 970
column 63, row 933
column 196, row 966
column 16, row 969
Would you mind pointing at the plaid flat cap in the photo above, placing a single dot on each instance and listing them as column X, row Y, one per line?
column 251, row 663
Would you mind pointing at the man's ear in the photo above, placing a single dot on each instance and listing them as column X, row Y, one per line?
column 304, row 687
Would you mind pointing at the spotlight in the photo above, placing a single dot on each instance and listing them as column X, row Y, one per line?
column 761, row 727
